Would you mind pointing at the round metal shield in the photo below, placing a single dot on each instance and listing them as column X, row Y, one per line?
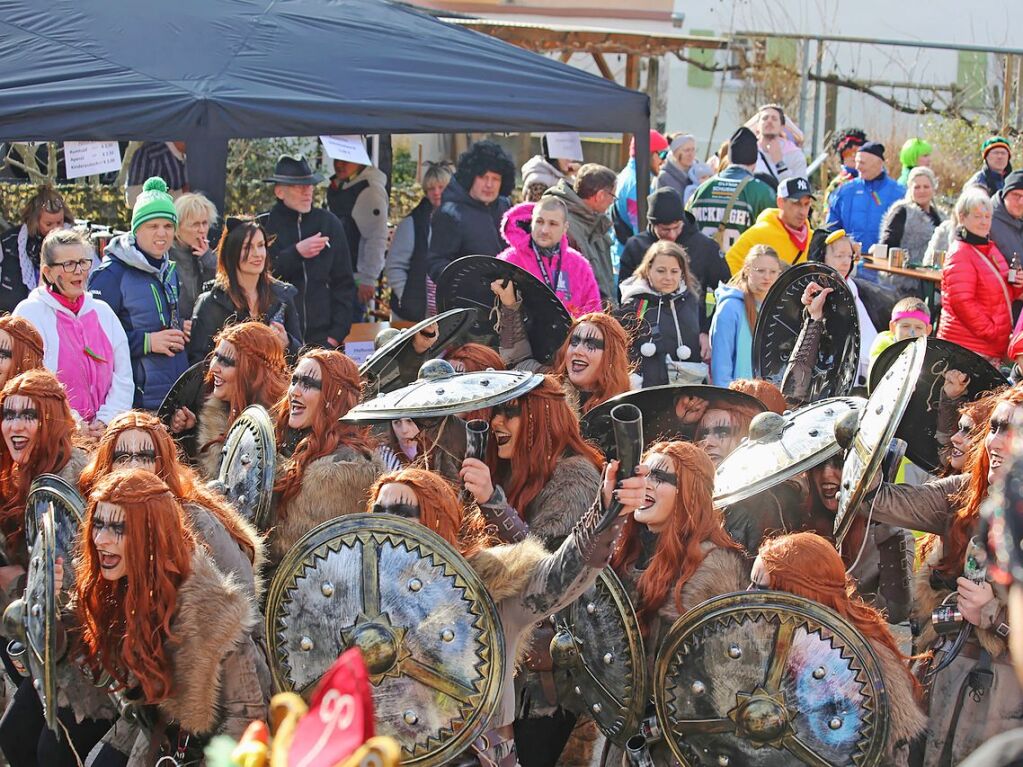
column 770, row 679
column 187, row 391
column 247, row 468
column 920, row 421
column 878, row 421
column 41, row 616
column 68, row 512
column 445, row 393
column 659, row 404
column 780, row 447
column 428, row 629
column 599, row 661
column 465, row 282
column 397, row 363
column 781, row 319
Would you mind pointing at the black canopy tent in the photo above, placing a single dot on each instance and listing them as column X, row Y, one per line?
column 205, row 71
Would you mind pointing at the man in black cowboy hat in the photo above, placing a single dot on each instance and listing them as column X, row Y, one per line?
column 309, row 249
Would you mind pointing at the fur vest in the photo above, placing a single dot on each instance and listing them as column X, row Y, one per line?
column 563, row 500
column 918, row 229
column 332, row 486
column 212, row 425
column 906, row 718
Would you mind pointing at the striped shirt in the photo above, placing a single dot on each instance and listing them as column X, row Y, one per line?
column 156, row 158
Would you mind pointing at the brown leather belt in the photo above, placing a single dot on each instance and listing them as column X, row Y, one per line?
column 486, row 744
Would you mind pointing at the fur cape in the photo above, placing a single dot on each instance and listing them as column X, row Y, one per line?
column 228, row 555
column 332, row 486
column 568, row 494
column 212, row 425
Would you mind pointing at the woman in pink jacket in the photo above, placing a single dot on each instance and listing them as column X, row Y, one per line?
column 976, row 295
column 537, row 234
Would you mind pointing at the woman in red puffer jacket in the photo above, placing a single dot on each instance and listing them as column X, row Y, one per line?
column 975, row 292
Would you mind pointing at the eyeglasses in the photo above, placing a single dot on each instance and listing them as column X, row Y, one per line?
column 718, row 432
column 29, row 415
column 223, row 361
column 306, row 382
column 407, row 510
column 590, row 343
column 70, row 267
column 122, row 457
column 761, row 271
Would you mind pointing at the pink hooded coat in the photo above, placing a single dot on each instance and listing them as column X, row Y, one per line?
column 576, row 286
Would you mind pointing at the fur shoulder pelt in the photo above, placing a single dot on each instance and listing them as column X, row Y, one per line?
column 568, row 494
column 926, row 599
column 906, row 716
column 721, row 572
column 212, row 617
column 505, row 570
column 332, row 486
column 72, row 470
column 212, row 424
column 230, row 555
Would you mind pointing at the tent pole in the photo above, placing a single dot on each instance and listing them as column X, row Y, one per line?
column 206, row 163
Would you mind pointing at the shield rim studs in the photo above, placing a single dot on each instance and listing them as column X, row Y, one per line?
column 761, row 715
column 253, row 420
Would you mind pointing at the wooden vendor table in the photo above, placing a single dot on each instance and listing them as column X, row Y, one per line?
column 919, row 273
column 359, row 342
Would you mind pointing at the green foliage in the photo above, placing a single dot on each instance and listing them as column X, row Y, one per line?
column 403, row 171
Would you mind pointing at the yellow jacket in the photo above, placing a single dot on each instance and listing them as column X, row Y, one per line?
column 768, row 230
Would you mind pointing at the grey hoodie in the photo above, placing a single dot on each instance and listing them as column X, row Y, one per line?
column 1006, row 231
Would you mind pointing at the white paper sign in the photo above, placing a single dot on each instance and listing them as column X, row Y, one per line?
column 347, row 148
column 359, row 351
column 564, row 146
column 90, row 158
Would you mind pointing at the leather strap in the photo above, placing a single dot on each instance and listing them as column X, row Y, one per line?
column 978, row 684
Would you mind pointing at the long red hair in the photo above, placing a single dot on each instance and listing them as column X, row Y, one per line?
column 180, row 478
column 261, row 371
column 679, row 550
column 613, row 376
column 765, row 391
column 809, row 566
column 968, row 501
column 126, row 624
column 26, row 344
column 340, row 392
column 548, row 432
column 476, row 358
column 51, row 449
column 440, row 510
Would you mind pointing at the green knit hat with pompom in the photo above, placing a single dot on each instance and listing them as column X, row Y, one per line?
column 153, row 202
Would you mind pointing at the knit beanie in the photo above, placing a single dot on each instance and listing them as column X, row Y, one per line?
column 1013, row 182
column 658, row 143
column 664, row 206
column 742, row 147
column 995, row 142
column 153, row 202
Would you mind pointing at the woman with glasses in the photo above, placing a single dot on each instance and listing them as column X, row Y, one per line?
column 246, row 368
column 526, row 582
column 45, row 212
column 674, row 552
column 324, row 467
column 84, row 343
column 807, row 565
column 738, row 304
column 244, row 290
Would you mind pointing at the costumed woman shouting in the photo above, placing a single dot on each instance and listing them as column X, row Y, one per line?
column 154, row 613
column 526, row 582
column 324, row 467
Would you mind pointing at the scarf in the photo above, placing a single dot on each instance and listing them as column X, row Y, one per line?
column 72, row 305
column 800, row 238
column 983, row 244
column 28, row 256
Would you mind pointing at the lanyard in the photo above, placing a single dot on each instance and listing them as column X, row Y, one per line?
column 543, row 269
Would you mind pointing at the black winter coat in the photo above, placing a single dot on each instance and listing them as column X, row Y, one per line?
column 705, row 260
column 464, row 226
column 325, row 284
column 655, row 322
column 12, row 285
column 214, row 311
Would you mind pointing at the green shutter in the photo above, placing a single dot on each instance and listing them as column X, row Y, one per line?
column 696, row 77
column 783, row 51
column 971, row 77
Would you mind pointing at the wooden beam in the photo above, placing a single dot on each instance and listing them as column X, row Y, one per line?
column 601, row 62
column 631, row 81
column 565, row 56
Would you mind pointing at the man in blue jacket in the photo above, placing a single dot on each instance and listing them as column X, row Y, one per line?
column 859, row 205
column 140, row 284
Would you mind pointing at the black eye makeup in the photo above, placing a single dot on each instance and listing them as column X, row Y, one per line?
column 99, row 525
column 28, row 414
column 590, row 343
column 223, row 360
column 662, row 476
column 6, row 354
column 306, row 382
column 998, row 426
column 139, row 456
column 407, row 510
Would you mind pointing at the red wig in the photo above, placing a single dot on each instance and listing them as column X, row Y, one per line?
column 613, row 375
column 26, row 344
column 807, row 565
column 765, row 391
column 51, row 449
column 179, row 478
column 679, row 546
column 475, row 358
column 968, row 502
column 340, row 392
column 440, row 510
column 261, row 371
column 548, row 432
column 126, row 624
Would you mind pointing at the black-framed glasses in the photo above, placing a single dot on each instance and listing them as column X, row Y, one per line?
column 407, row 510
column 122, row 457
column 306, row 382
column 70, row 267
